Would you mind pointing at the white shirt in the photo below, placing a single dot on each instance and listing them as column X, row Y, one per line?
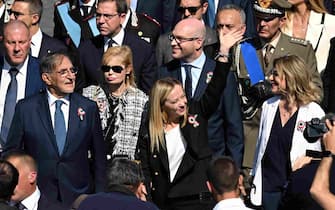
column 21, row 78
column 65, row 108
column 231, row 204
column 118, row 38
column 133, row 4
column 31, row 202
column 90, row 4
column 2, row 9
column 176, row 147
column 36, row 42
column 197, row 66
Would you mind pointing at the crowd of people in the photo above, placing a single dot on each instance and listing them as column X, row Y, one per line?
column 172, row 105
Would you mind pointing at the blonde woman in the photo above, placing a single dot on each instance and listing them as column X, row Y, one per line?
column 121, row 104
column 308, row 19
column 281, row 141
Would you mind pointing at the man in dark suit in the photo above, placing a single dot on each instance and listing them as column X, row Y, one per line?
column 126, row 189
column 188, row 9
column 30, row 11
column 61, row 130
column 81, row 11
column 225, row 131
column 19, row 73
column 26, row 192
column 164, row 11
column 110, row 15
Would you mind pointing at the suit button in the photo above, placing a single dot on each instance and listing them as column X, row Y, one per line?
column 156, row 173
column 153, row 189
column 154, row 156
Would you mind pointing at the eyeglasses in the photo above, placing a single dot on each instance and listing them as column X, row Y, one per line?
column 16, row 13
column 116, row 69
column 191, row 10
column 180, row 40
column 65, row 72
column 106, row 16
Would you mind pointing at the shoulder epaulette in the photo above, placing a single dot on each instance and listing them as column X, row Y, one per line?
column 151, row 19
column 299, row 41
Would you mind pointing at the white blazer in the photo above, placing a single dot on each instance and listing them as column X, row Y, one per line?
column 315, row 32
column 299, row 143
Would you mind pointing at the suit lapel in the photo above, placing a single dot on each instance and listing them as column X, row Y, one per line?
column 45, row 117
column 208, row 67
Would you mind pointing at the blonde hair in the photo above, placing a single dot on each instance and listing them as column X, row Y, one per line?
column 125, row 55
column 157, row 116
column 299, row 85
column 316, row 5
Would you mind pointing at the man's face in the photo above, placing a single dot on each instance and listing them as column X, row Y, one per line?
column 270, row 28
column 228, row 20
column 61, row 81
column 17, row 44
column 26, row 178
column 192, row 8
column 108, row 20
column 184, row 43
column 20, row 11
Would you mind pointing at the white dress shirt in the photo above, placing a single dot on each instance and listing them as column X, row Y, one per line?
column 31, row 202
column 36, row 42
column 90, row 4
column 231, row 204
column 21, row 78
column 118, row 38
column 65, row 108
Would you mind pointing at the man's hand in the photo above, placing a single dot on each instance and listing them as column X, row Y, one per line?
column 229, row 39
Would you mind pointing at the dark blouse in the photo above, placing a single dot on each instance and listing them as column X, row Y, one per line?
column 276, row 165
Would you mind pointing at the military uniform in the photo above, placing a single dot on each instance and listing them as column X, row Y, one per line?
column 144, row 27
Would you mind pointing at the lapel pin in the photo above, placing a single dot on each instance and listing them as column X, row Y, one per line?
column 81, row 113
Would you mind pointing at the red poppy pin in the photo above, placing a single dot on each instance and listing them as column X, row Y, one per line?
column 192, row 119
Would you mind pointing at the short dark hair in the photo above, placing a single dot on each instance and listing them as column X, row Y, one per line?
column 23, row 156
column 9, row 177
column 121, row 5
column 223, row 174
column 35, row 6
column 122, row 171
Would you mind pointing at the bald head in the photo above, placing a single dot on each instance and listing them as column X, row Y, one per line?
column 187, row 39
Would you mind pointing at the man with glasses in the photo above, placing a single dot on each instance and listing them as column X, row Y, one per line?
column 61, row 130
column 110, row 14
column 30, row 12
column 187, row 8
column 194, row 69
column 19, row 73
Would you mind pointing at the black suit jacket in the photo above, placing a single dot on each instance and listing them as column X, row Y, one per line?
column 190, row 179
column 50, row 45
column 61, row 177
column 45, row 204
column 144, row 61
column 225, row 128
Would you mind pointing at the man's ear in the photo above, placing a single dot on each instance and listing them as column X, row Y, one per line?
column 36, row 19
column 32, row 177
column 46, row 78
column 204, row 7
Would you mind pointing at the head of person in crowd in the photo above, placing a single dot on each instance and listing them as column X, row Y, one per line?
column 314, row 5
column 28, row 11
column 230, row 17
column 270, row 17
column 192, row 8
column 290, row 79
column 117, row 67
column 110, row 14
column 168, row 104
column 187, row 39
column 9, row 177
column 16, row 42
column 126, row 173
column 27, row 168
column 58, row 73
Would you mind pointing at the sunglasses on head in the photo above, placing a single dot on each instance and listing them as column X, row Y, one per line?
column 116, row 69
column 191, row 10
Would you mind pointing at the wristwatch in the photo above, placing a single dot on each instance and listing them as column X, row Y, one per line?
column 218, row 55
column 328, row 153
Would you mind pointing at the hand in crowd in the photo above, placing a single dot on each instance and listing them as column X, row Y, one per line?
column 229, row 39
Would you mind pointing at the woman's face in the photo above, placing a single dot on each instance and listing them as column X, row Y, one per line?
column 112, row 74
column 176, row 104
column 278, row 82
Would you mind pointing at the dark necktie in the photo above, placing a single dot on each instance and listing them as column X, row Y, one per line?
column 9, row 104
column 267, row 55
column 188, row 81
column 85, row 10
column 112, row 43
column 60, row 130
column 20, row 206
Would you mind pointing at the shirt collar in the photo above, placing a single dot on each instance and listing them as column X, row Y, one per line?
column 273, row 42
column 36, row 39
column 118, row 38
column 31, row 201
column 52, row 99
column 22, row 68
column 229, row 203
column 89, row 4
column 197, row 63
